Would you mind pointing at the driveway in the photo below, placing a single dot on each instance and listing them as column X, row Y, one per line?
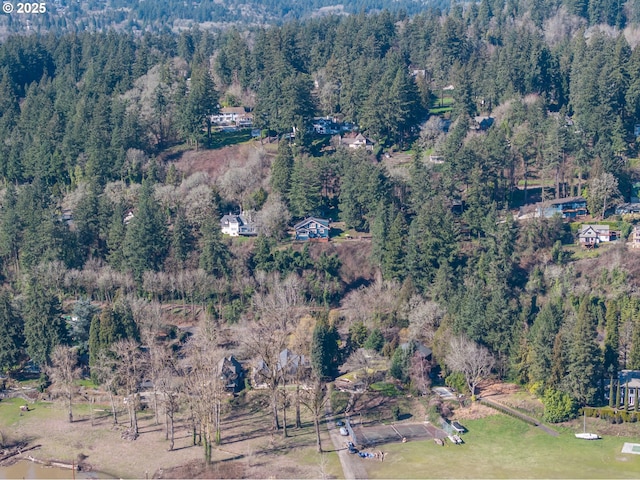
column 352, row 467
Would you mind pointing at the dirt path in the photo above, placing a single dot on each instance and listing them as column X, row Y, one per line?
column 351, row 468
column 520, row 415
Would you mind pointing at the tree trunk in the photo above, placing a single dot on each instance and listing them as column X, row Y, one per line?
column 284, row 416
column 274, row 409
column 155, row 404
column 171, row 430
column 70, row 407
column 207, row 449
column 316, row 424
column 298, row 421
column 134, row 417
column 166, row 423
column 526, row 176
column 218, row 429
column 113, row 409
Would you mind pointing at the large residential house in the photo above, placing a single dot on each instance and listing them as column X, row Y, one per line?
column 359, row 141
column 290, row 364
column 482, row 122
column 570, row 207
column 231, row 373
column 312, row 228
column 629, row 381
column 236, row 225
column 592, row 235
column 236, row 116
column 628, row 208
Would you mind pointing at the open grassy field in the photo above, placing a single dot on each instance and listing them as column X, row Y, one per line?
column 248, row 449
column 502, row 447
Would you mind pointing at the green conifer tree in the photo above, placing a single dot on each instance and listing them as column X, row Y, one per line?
column 11, row 335
column 145, row 242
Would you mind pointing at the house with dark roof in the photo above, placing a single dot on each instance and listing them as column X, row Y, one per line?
column 570, row 207
column 231, row 373
column 482, row 122
column 312, row 228
column 290, row 364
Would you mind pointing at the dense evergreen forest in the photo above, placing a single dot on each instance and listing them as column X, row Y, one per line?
column 98, row 222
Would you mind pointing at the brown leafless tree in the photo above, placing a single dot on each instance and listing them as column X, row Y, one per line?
column 63, row 373
column 130, row 366
column 424, row 319
column 315, row 400
column 472, row 360
column 203, row 386
column 104, row 371
column 300, row 343
column 277, row 304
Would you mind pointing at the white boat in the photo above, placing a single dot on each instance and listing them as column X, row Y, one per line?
column 584, row 435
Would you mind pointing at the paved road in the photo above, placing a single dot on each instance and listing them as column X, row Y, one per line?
column 352, row 467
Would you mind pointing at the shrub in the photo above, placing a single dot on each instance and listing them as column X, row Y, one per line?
column 395, row 411
column 456, row 381
column 375, row 341
column 536, row 389
column 558, row 406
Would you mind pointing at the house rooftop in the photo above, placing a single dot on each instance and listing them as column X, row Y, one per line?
column 596, row 228
column 632, row 377
column 301, row 223
column 560, row 201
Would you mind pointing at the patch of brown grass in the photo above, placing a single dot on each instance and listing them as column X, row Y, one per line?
column 216, row 162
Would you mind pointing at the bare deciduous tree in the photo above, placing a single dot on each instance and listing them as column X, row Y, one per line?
column 602, row 190
column 203, row 387
column 104, row 371
column 274, row 217
column 315, row 400
column 424, row 319
column 130, row 368
column 365, row 365
column 378, row 300
column 472, row 360
column 419, row 370
column 63, row 373
column 276, row 304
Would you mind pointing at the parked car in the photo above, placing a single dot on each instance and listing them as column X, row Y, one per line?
column 344, row 432
column 352, row 448
column 339, row 423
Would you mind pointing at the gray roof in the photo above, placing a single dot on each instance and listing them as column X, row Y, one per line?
column 302, row 223
column 629, row 377
column 597, row 229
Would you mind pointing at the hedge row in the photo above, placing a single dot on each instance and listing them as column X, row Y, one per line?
column 611, row 415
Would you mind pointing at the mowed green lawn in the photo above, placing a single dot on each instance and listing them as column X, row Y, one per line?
column 502, row 447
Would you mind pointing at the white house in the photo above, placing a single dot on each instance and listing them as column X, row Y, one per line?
column 236, row 225
column 358, row 142
column 592, row 235
column 233, row 116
